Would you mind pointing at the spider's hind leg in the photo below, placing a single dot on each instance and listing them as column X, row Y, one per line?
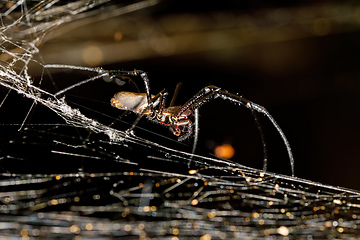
column 265, row 152
column 211, row 92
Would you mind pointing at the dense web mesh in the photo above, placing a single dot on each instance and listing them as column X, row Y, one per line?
column 82, row 176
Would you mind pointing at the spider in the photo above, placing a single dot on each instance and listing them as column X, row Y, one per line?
column 177, row 118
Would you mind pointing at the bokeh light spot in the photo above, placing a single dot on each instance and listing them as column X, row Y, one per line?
column 283, row 231
column 224, row 151
column 92, row 55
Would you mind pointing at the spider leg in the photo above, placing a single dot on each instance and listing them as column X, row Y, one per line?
column 211, row 92
column 60, row 66
column 196, row 129
column 262, row 110
column 100, row 71
column 178, row 86
column 265, row 153
column 163, row 97
column 196, row 133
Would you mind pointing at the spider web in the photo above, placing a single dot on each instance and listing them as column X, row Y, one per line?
column 69, row 169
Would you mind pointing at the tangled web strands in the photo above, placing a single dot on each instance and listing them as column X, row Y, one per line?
column 126, row 187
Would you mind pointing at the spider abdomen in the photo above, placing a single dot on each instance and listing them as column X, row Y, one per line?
column 136, row 102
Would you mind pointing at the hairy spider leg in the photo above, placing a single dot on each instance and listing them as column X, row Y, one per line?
column 211, row 92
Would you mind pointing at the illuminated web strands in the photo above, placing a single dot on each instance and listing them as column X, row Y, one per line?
column 59, row 180
column 215, row 204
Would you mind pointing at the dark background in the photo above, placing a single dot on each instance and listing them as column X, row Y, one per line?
column 309, row 83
